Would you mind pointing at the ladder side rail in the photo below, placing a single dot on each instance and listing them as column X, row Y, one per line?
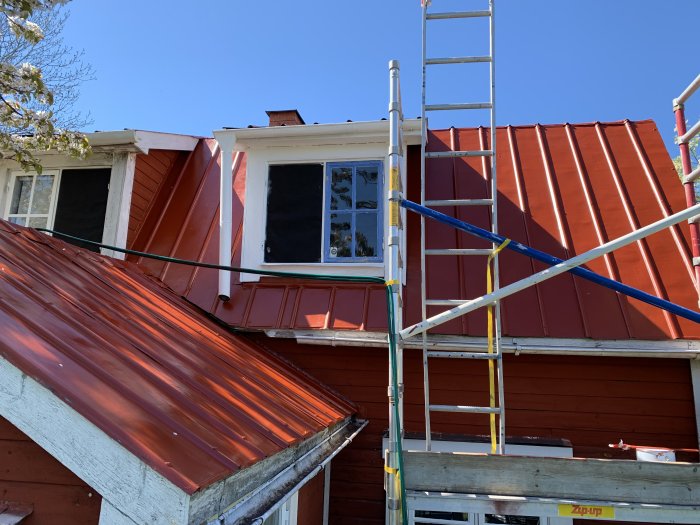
column 494, row 229
column 423, row 284
column 689, row 179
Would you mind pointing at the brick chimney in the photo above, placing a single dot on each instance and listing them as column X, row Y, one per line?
column 285, row 117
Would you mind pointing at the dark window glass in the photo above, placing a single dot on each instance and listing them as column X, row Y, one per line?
column 294, row 213
column 81, row 205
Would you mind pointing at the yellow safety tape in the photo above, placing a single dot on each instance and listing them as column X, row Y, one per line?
column 492, row 384
column 394, row 179
column 393, row 213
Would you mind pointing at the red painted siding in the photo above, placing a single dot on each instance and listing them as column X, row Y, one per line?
column 154, row 176
column 28, row 474
column 590, row 401
column 311, row 502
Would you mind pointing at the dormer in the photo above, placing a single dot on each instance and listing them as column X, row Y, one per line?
column 314, row 195
column 101, row 198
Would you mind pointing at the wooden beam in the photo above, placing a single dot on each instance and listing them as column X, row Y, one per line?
column 570, row 478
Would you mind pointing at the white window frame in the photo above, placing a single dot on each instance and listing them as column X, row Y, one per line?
column 255, row 209
column 12, row 180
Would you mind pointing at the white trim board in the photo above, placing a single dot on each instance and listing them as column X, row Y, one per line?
column 131, row 490
column 122, row 479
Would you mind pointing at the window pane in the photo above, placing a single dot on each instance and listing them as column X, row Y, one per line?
column 341, row 235
column 366, row 188
column 341, row 188
column 20, row 194
column 366, row 235
column 37, row 222
column 42, row 194
column 294, row 214
column 505, row 519
column 18, row 220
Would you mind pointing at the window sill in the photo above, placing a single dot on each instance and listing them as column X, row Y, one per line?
column 361, row 269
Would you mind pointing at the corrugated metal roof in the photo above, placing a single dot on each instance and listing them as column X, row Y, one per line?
column 563, row 189
column 179, row 391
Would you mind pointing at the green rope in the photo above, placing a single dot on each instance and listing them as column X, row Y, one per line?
column 294, row 275
column 189, row 262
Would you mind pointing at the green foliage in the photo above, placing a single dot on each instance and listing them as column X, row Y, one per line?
column 28, row 122
column 678, row 164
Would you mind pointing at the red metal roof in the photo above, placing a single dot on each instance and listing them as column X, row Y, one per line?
column 563, row 189
column 189, row 398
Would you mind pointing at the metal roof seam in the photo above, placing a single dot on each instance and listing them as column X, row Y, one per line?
column 522, row 190
column 176, row 245
column 598, row 225
column 660, row 198
column 671, row 321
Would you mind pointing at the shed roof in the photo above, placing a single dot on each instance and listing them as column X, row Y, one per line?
column 192, row 400
column 563, row 189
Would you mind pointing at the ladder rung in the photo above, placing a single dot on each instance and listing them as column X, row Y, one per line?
column 460, row 202
column 457, row 14
column 451, row 107
column 691, row 177
column 459, row 251
column 465, row 409
column 457, row 60
column 451, row 154
column 462, row 355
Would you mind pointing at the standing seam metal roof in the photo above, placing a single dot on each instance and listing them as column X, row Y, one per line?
column 189, row 398
column 563, row 189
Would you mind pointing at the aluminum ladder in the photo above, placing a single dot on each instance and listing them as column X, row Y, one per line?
column 496, row 407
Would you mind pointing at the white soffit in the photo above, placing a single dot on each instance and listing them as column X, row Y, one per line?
column 141, row 141
column 375, row 131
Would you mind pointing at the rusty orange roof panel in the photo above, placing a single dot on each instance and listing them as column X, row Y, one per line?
column 564, row 189
column 179, row 391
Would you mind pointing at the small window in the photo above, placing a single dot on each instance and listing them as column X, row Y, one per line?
column 346, row 227
column 71, row 201
column 353, row 212
column 32, row 199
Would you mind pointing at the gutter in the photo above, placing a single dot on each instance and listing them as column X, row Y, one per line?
column 264, row 500
column 679, row 348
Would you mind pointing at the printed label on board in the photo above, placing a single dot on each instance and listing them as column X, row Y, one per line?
column 587, row 511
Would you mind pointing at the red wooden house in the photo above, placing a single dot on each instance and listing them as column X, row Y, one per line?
column 585, row 367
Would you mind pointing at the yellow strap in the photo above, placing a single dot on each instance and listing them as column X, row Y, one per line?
column 397, row 483
column 391, row 282
column 492, row 384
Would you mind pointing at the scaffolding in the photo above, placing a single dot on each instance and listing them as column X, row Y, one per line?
column 554, row 487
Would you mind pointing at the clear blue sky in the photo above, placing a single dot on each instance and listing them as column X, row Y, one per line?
column 192, row 67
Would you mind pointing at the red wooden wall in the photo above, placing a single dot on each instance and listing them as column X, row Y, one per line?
column 310, row 510
column 154, row 176
column 591, row 401
column 28, row 474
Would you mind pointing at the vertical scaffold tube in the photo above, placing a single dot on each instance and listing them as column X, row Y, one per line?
column 395, row 497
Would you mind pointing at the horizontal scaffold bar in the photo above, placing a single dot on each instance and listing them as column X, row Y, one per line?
column 558, row 266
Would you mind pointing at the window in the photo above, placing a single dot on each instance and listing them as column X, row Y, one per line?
column 32, row 199
column 286, row 514
column 72, row 201
column 324, row 212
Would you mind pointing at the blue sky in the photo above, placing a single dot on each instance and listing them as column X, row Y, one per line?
column 191, row 67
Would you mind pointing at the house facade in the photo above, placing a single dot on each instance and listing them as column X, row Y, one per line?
column 584, row 366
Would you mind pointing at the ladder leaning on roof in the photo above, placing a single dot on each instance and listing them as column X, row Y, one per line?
column 494, row 355
column 690, row 175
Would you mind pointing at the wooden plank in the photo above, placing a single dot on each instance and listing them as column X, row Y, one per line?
column 574, row 478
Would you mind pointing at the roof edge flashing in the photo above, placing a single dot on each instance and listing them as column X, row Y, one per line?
column 346, row 132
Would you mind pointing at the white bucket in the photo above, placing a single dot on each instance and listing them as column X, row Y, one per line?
column 655, row 454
